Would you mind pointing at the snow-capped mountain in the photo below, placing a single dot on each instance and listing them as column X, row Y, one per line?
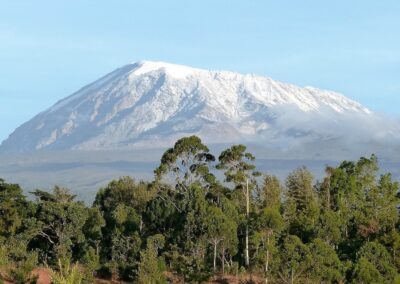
column 151, row 104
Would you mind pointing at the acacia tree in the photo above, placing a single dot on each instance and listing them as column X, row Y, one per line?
column 241, row 172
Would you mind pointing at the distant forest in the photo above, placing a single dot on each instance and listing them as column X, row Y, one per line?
column 192, row 224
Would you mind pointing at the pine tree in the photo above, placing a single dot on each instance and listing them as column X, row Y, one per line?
column 301, row 204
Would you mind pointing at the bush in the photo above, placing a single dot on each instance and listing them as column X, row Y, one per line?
column 19, row 261
column 67, row 273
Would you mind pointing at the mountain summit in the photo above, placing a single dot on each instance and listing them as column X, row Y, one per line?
column 151, row 104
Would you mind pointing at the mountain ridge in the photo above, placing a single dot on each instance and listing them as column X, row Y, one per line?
column 151, row 104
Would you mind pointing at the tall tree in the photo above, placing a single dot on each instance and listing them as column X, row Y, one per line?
column 267, row 226
column 270, row 193
column 301, row 204
column 379, row 213
column 220, row 231
column 188, row 161
column 239, row 170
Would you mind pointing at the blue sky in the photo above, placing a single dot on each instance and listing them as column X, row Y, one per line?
column 49, row 49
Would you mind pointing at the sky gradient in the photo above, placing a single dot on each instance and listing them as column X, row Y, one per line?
column 49, row 49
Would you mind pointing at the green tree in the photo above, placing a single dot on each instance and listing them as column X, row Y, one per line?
column 60, row 222
column 13, row 208
column 267, row 226
column 326, row 267
column 18, row 260
column 193, row 238
column 270, row 194
column 188, row 161
column 329, row 227
column 366, row 273
column 241, row 172
column 93, row 229
column 220, row 231
column 301, row 204
column 124, row 195
column 374, row 265
column 151, row 266
column 123, row 206
column 379, row 212
column 295, row 259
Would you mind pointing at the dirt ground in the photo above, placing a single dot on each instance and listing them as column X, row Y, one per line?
column 44, row 277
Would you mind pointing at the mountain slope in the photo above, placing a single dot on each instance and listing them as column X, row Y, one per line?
column 151, row 104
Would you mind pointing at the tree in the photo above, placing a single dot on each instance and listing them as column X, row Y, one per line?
column 374, row 265
column 92, row 228
column 124, row 253
column 267, row 227
column 124, row 194
column 301, row 204
column 60, row 222
column 220, row 231
column 18, row 261
column 340, row 194
column 13, row 208
column 270, row 194
column 238, row 169
column 379, row 213
column 295, row 259
column 327, row 267
column 192, row 239
column 123, row 204
column 188, row 161
column 365, row 272
column 329, row 227
column 151, row 267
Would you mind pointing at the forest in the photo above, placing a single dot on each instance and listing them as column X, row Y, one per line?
column 204, row 217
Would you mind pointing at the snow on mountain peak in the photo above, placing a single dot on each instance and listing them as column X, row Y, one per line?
column 178, row 71
column 160, row 102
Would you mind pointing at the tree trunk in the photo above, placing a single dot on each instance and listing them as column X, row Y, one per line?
column 223, row 260
column 215, row 255
column 247, row 258
column 267, row 263
column 97, row 247
column 291, row 276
